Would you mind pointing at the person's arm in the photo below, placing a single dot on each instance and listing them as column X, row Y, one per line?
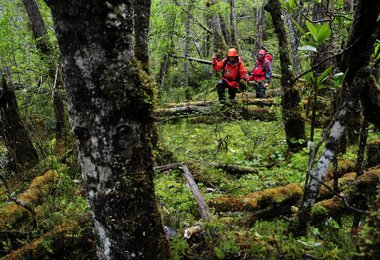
column 243, row 72
column 217, row 65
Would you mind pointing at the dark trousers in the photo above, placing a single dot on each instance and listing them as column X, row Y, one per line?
column 260, row 89
column 221, row 87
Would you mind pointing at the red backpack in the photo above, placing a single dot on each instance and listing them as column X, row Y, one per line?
column 268, row 57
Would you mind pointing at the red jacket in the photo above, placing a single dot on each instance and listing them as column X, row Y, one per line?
column 261, row 71
column 231, row 71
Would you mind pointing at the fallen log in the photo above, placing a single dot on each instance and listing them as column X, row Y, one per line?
column 247, row 98
column 65, row 240
column 363, row 188
column 284, row 196
column 279, row 200
column 248, row 113
column 38, row 190
column 232, row 169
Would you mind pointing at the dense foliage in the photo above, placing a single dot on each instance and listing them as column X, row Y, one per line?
column 61, row 212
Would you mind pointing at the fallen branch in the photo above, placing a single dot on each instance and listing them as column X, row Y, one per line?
column 203, row 208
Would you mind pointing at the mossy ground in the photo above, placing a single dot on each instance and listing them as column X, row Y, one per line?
column 235, row 235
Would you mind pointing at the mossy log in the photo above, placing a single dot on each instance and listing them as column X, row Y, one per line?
column 66, row 240
column 275, row 201
column 232, row 111
column 232, row 169
column 361, row 189
column 344, row 166
column 247, row 98
column 38, row 190
column 283, row 197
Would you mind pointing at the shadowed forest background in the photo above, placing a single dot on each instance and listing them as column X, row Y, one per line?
column 114, row 145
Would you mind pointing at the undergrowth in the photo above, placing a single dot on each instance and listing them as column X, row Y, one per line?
column 236, row 235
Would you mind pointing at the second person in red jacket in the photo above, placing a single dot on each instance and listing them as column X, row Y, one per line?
column 233, row 71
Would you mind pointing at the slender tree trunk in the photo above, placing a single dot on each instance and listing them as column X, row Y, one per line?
column 111, row 108
column 233, row 24
column 39, row 31
column 362, row 38
column 186, row 49
column 219, row 41
column 17, row 140
column 141, row 22
column 259, row 13
column 293, row 43
column 291, row 109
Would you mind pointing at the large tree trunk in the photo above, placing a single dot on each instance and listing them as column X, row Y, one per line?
column 111, row 109
column 294, row 122
column 17, row 140
column 39, row 31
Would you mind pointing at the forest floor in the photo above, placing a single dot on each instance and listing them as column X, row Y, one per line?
column 229, row 159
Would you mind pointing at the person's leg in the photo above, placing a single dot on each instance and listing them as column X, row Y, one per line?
column 232, row 93
column 221, row 86
column 260, row 90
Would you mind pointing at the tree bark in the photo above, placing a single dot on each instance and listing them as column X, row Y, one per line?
column 294, row 122
column 17, row 140
column 111, row 108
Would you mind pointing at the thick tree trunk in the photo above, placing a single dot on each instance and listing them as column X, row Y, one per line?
column 17, row 140
column 111, row 109
column 294, row 121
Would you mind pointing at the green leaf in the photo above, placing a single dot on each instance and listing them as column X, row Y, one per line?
column 324, row 75
column 323, row 33
column 312, row 29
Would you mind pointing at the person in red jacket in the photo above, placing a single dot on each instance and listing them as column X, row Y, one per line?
column 233, row 71
column 261, row 74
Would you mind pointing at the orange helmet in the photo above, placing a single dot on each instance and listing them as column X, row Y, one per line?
column 232, row 52
column 262, row 52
